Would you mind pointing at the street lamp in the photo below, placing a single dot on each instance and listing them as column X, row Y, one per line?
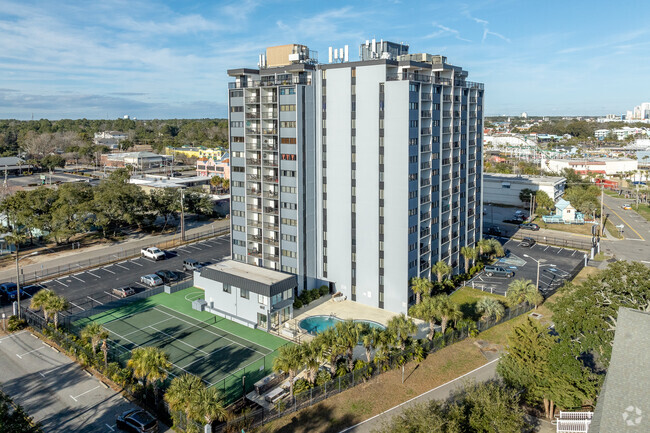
column 18, row 276
column 538, row 264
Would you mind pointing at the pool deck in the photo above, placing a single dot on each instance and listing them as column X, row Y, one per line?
column 349, row 310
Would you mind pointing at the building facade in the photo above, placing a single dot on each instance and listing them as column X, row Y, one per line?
column 357, row 174
column 505, row 188
column 606, row 166
column 211, row 167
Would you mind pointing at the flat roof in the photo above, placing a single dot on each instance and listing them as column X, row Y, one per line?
column 523, row 178
column 256, row 279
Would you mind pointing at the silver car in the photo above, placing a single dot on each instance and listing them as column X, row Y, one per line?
column 151, row 280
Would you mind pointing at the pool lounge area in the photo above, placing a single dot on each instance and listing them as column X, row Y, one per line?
column 317, row 324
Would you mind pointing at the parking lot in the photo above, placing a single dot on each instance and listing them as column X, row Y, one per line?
column 556, row 265
column 55, row 390
column 94, row 287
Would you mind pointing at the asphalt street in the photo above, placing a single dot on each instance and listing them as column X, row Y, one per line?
column 636, row 231
column 55, row 390
column 556, row 265
column 92, row 287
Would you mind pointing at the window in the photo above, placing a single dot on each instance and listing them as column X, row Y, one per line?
column 227, row 288
column 286, row 140
column 236, row 93
column 238, row 213
column 289, row 269
column 288, row 173
column 237, row 124
column 289, row 189
column 288, row 107
column 262, row 299
column 237, row 139
column 238, row 184
column 287, row 91
column 287, row 253
column 413, row 106
column 238, row 154
column 288, row 124
column 413, row 123
column 237, row 228
column 244, row 293
column 290, row 238
column 239, row 198
column 287, row 205
column 289, row 221
column 288, row 157
column 262, row 320
column 237, row 109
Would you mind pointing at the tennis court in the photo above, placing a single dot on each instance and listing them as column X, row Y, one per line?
column 198, row 345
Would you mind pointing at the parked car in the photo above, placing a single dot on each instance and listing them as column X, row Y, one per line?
column 529, row 226
column 5, row 288
column 491, row 270
column 527, row 242
column 123, row 292
column 520, row 214
column 137, row 421
column 494, row 231
column 168, row 276
column 191, row 265
column 153, row 253
column 151, row 280
column 626, row 207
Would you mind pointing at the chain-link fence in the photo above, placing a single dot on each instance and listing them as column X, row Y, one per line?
column 380, row 364
column 551, row 240
column 118, row 256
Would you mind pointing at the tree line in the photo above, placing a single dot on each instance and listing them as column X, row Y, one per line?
column 75, row 137
column 75, row 208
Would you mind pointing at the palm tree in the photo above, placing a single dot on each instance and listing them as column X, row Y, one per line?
column 446, row 310
column 372, row 338
column 484, row 246
column 105, row 352
column 150, row 364
column 441, row 269
column 94, row 332
column 41, row 300
column 348, row 335
column 400, row 328
column 520, row 291
column 56, row 305
column 470, row 254
column 289, row 360
column 496, row 249
column 216, row 181
column 420, row 286
column 226, row 184
column 311, row 356
column 209, row 404
column 426, row 312
column 330, row 347
column 181, row 396
column 490, row 307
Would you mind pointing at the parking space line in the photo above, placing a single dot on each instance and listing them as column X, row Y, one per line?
column 140, row 284
column 559, row 251
column 108, row 270
column 110, row 427
column 49, row 371
column 100, row 303
column 183, row 250
column 135, row 263
column 83, row 393
column 123, row 267
column 81, row 308
column 63, row 284
column 26, row 353
column 108, row 293
column 195, row 247
column 94, row 275
column 77, row 278
column 547, row 246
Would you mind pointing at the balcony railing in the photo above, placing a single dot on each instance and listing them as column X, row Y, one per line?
column 270, row 210
column 271, row 226
column 424, row 250
column 271, row 241
column 272, row 147
column 254, row 223
column 255, row 238
column 253, row 146
column 426, row 131
column 253, row 177
column 425, row 148
column 252, row 100
column 269, row 131
column 426, row 97
column 270, row 194
column 253, row 161
column 426, row 113
column 446, row 114
column 255, row 253
column 253, row 192
column 269, row 114
column 252, row 115
column 272, row 179
column 254, row 208
column 270, row 162
column 269, row 99
column 272, row 257
column 446, row 130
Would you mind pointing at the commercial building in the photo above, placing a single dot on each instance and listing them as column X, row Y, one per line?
column 215, row 153
column 150, row 181
column 139, row 160
column 505, row 188
column 211, row 167
column 606, row 166
column 360, row 175
column 109, row 138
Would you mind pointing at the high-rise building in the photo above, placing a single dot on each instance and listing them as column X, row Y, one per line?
column 362, row 174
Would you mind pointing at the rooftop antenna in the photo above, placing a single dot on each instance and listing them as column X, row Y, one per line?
column 330, row 54
column 346, row 54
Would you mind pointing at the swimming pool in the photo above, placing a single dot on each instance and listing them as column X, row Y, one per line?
column 317, row 324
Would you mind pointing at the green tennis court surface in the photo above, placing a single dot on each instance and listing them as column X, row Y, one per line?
column 219, row 351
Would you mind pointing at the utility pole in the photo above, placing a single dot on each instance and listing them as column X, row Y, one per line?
column 602, row 204
column 17, row 280
column 182, row 217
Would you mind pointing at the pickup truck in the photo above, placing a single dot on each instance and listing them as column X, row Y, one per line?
column 152, row 253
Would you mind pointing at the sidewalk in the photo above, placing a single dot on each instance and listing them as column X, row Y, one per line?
column 64, row 259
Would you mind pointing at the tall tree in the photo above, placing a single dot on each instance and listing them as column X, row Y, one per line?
column 495, row 248
column 311, row 353
column 427, row 311
column 421, row 287
column 372, row 338
column 490, row 307
column 400, row 328
column 56, row 305
column 441, row 269
column 484, row 246
column 470, row 254
column 520, row 291
column 94, row 332
column 209, row 404
column 289, row 360
column 150, row 364
column 446, row 310
column 41, row 301
column 182, row 395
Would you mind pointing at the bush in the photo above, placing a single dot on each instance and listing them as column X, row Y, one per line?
column 323, row 377
column 15, row 324
column 301, row 385
column 324, row 290
column 297, row 304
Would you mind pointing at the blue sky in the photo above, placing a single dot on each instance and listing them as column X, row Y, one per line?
column 163, row 59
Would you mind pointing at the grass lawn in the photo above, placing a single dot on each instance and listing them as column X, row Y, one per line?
column 611, row 228
column 581, row 229
column 467, row 298
column 643, row 210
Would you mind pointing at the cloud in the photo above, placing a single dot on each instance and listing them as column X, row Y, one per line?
column 485, row 24
column 446, row 31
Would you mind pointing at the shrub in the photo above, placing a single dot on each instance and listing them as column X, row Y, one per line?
column 15, row 324
column 301, row 385
column 297, row 304
column 324, row 290
column 323, row 377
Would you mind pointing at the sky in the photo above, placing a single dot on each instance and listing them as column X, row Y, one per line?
column 168, row 59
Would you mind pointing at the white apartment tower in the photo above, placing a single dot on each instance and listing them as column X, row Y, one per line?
column 357, row 174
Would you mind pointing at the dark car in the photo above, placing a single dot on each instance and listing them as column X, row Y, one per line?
column 137, row 421
column 168, row 276
column 191, row 265
column 527, row 242
column 494, row 231
column 529, row 226
column 498, row 271
column 8, row 292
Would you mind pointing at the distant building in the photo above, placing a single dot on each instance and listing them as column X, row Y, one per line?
column 210, row 167
column 524, row 115
column 13, row 165
column 139, row 160
column 505, row 188
column 215, row 153
column 607, row 166
column 148, row 181
column 620, row 133
column 110, row 139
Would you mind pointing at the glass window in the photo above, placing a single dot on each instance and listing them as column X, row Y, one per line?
column 227, row 288
column 244, row 294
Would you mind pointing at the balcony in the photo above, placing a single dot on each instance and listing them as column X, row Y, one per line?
column 252, row 100
column 270, row 146
column 425, row 148
column 272, row 257
column 425, row 182
column 253, row 161
column 424, row 250
column 271, row 241
column 269, row 114
column 271, row 179
column 271, row 226
column 446, row 130
column 270, row 162
column 425, row 113
column 253, row 192
column 253, row 115
column 270, row 210
column 254, row 208
column 426, row 131
column 425, row 216
column 253, row 146
column 253, row 177
column 271, row 81
column 254, row 223
column 252, row 131
column 424, row 265
column 269, row 99
column 446, row 114
column 255, row 253
column 426, row 97
column 269, row 131
column 425, row 165
column 255, row 238
column 446, row 98
column 270, row 194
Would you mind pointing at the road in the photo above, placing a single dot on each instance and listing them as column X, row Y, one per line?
column 442, row 392
column 636, row 232
column 55, row 390
column 92, row 287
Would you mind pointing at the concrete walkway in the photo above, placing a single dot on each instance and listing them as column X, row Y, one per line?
column 442, row 392
column 63, row 259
